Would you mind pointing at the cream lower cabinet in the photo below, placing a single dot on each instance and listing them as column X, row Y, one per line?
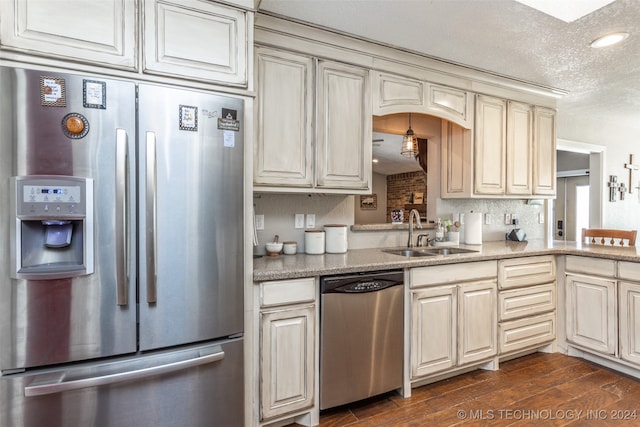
column 629, row 307
column 526, row 303
column 591, row 298
column 287, row 347
column 297, row 94
column 452, row 325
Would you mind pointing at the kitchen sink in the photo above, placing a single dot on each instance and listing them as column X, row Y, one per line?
column 448, row 251
column 408, row 252
column 429, row 251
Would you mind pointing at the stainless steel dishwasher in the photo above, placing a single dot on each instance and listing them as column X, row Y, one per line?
column 361, row 339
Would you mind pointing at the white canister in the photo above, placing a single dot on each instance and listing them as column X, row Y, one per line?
column 314, row 242
column 336, row 238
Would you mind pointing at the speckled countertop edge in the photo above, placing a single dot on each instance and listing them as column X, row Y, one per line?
column 359, row 260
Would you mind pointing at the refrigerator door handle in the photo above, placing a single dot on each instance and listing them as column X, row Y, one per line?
column 121, row 215
column 59, row 387
column 151, row 217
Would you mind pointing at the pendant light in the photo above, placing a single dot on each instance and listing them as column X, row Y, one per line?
column 409, row 143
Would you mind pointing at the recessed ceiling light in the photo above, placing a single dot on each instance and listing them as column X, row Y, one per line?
column 609, row 40
column 375, row 160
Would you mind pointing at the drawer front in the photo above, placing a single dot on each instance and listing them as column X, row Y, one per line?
column 526, row 333
column 453, row 273
column 629, row 270
column 588, row 265
column 287, row 292
column 526, row 301
column 519, row 272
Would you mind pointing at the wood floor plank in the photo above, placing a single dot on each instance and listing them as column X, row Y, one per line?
column 537, row 389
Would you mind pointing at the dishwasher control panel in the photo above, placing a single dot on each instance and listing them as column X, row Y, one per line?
column 356, row 283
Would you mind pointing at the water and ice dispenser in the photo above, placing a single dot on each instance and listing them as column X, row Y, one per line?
column 52, row 235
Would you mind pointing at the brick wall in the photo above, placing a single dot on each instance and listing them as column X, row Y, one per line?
column 399, row 189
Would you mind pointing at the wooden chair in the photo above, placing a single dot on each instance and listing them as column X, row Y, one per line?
column 609, row 237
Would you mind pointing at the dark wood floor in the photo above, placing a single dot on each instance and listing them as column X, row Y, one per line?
column 538, row 389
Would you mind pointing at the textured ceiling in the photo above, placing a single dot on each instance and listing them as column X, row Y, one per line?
column 504, row 37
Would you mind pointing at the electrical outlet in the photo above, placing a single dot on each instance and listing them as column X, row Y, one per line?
column 540, row 218
column 487, row 219
column 299, row 221
column 507, row 219
column 311, row 220
column 461, row 218
column 259, row 222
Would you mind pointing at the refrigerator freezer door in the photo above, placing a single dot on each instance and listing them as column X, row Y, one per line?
column 44, row 322
column 200, row 386
column 191, row 213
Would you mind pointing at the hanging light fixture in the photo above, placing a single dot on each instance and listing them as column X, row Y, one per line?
column 409, row 143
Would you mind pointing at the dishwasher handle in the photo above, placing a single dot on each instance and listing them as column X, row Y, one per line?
column 363, row 286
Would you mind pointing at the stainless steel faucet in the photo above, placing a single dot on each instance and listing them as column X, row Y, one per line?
column 413, row 214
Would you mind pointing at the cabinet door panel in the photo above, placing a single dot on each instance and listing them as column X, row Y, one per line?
column 526, row 301
column 397, row 94
column 630, row 321
column 283, row 153
column 544, row 152
column 455, row 178
column 344, row 127
column 287, row 360
column 450, row 103
column 519, row 146
column 91, row 31
column 592, row 313
column 478, row 328
column 490, row 145
column 527, row 333
column 199, row 39
column 433, row 332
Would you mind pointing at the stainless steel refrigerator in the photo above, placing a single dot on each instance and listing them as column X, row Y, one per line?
column 121, row 253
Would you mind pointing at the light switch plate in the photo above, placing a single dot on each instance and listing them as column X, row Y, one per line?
column 259, row 222
column 299, row 221
column 311, row 220
column 507, row 219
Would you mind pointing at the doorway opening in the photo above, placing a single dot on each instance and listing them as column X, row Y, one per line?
column 580, row 189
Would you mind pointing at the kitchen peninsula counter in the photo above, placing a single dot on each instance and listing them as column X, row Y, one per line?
column 361, row 260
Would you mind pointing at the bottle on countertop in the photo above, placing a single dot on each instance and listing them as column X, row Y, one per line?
column 439, row 231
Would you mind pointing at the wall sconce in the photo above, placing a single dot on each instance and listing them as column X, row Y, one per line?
column 409, row 143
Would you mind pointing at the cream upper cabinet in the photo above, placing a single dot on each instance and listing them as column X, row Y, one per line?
column 102, row 32
column 511, row 153
column 490, row 145
column 343, row 127
column 450, row 104
column 519, row 146
column 283, row 154
column 288, row 155
column 456, row 150
column 199, row 39
column 544, row 151
column 399, row 94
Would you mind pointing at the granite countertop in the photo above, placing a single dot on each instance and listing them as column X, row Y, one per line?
column 359, row 260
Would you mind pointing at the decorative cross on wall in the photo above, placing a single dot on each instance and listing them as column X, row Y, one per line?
column 613, row 188
column 631, row 168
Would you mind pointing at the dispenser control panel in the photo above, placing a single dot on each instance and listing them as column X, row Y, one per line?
column 50, row 196
column 59, row 194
